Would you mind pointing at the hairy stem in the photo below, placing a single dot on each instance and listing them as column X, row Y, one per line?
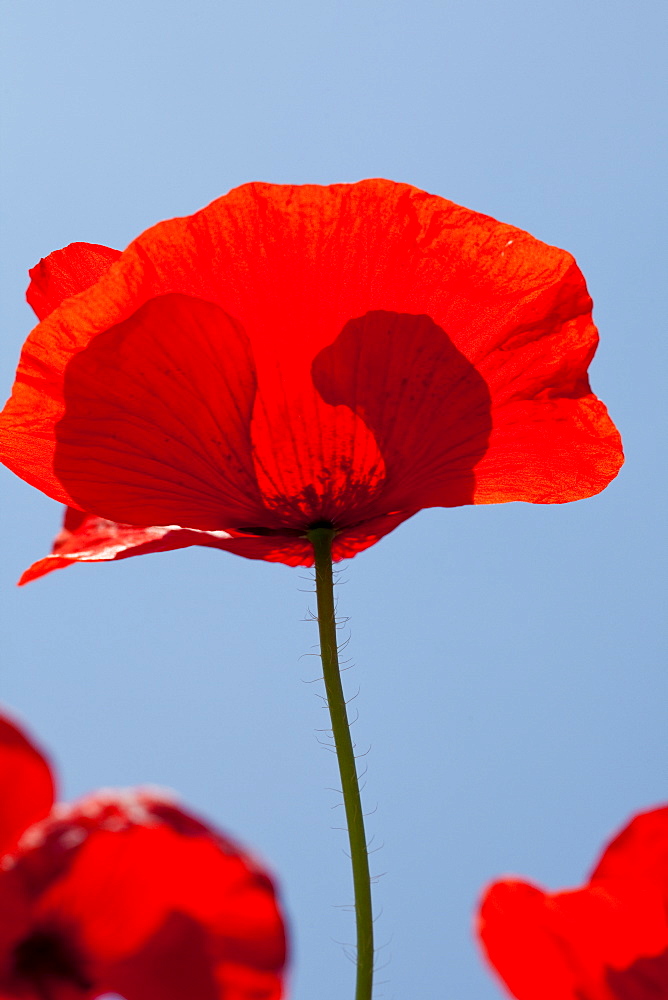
column 321, row 539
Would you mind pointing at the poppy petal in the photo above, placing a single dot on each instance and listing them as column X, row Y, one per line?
column 173, row 964
column 26, row 784
column 126, row 397
column 129, row 874
column 66, row 272
column 644, row 979
column 87, row 538
column 15, row 914
column 605, row 941
column 427, row 406
column 522, row 950
column 639, row 851
column 571, row 945
column 549, row 451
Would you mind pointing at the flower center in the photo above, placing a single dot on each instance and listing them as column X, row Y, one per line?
column 45, row 956
column 287, row 532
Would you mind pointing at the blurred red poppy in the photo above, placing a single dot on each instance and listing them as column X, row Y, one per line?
column 124, row 892
column 294, row 356
column 605, row 941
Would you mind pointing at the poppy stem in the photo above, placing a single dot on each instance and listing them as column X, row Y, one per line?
column 321, row 539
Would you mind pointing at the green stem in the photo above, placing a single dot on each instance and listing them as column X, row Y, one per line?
column 321, row 539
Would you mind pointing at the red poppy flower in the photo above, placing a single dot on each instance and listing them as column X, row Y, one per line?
column 605, row 941
column 124, row 892
column 295, row 356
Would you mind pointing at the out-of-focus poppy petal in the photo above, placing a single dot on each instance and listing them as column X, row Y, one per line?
column 605, row 941
column 569, row 945
column 639, row 851
column 15, row 915
column 515, row 930
column 291, row 268
column 126, row 873
column 173, row 964
column 176, row 964
column 66, row 272
column 124, row 892
column 26, row 784
column 238, row 982
column 644, row 979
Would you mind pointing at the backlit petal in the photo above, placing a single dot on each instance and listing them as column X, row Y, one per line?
column 564, row 946
column 87, row 538
column 426, row 405
column 160, row 405
column 639, row 851
column 131, row 875
column 65, row 273
column 26, row 784
column 605, row 941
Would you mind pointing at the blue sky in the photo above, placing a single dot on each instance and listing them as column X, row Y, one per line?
column 510, row 660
